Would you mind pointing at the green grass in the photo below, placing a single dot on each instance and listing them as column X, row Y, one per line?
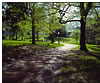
column 91, row 47
column 87, row 64
column 15, row 43
column 11, row 43
column 94, row 48
column 67, row 40
column 72, row 42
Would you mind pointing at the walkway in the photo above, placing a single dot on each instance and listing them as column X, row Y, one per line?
column 39, row 67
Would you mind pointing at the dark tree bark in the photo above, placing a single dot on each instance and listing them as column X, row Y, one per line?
column 33, row 32
column 22, row 37
column 52, row 37
column 9, row 35
column 37, row 33
column 82, row 35
column 84, row 13
column 16, row 35
column 33, row 27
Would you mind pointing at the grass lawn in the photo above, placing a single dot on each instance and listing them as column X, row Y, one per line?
column 82, row 67
column 67, row 40
column 6, row 43
column 12, row 43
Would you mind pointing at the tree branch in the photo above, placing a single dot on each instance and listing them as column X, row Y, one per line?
column 63, row 13
column 64, row 22
column 96, row 6
column 49, row 14
column 73, row 5
column 96, row 12
column 88, row 8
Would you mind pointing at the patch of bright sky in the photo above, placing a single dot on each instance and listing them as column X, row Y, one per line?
column 72, row 14
column 70, row 26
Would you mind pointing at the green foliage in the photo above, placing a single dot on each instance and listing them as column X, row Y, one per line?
column 76, row 35
column 39, row 17
column 52, row 22
column 14, row 13
column 93, row 30
column 25, row 27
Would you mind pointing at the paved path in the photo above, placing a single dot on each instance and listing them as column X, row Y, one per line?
column 66, row 47
column 41, row 67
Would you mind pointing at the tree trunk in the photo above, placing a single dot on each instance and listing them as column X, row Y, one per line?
column 84, row 12
column 9, row 37
column 33, row 27
column 22, row 37
column 33, row 32
column 16, row 35
column 37, row 33
column 52, row 37
column 82, row 35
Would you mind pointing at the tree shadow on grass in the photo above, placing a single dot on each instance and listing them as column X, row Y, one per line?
column 95, row 48
column 81, row 67
column 95, row 54
column 95, row 51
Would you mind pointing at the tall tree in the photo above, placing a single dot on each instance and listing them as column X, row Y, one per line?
column 84, row 12
column 84, row 9
column 33, row 26
column 40, row 18
column 52, row 25
column 36, row 14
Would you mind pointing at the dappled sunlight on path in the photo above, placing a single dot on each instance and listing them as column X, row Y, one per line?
column 38, row 67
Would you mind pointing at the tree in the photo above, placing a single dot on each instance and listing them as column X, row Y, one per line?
column 31, row 10
column 84, row 9
column 84, row 12
column 52, row 25
column 40, row 18
column 36, row 14
column 25, row 26
column 14, row 12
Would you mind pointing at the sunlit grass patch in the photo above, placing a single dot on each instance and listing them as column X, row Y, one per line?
column 91, row 47
column 11, row 43
column 94, row 48
column 69, row 69
column 86, row 58
column 15, row 43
